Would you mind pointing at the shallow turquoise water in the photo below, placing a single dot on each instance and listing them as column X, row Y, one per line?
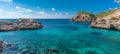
column 65, row 36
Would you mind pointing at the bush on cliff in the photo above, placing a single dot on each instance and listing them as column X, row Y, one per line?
column 84, row 12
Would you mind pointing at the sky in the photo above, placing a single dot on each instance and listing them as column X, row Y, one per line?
column 57, row 9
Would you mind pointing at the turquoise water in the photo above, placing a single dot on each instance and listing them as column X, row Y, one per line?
column 64, row 36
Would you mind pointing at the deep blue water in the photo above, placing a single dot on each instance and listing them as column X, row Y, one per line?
column 63, row 35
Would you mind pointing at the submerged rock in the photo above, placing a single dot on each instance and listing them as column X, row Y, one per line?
column 9, row 45
column 24, row 51
column 91, row 52
column 22, row 24
column 53, row 51
column 113, row 39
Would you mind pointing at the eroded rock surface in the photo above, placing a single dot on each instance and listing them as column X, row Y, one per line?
column 83, row 17
column 111, row 21
column 22, row 24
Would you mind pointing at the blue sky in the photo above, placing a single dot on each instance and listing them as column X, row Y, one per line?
column 52, row 8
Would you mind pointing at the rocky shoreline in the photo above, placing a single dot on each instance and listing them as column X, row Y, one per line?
column 108, row 20
column 111, row 21
column 21, row 24
column 106, row 24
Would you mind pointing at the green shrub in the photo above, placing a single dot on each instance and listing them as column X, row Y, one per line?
column 114, row 18
column 104, row 14
column 84, row 12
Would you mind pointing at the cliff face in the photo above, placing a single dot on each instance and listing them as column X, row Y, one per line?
column 83, row 17
column 111, row 21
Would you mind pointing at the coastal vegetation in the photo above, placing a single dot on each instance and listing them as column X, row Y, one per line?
column 99, row 15
column 83, row 16
column 106, row 13
column 103, row 14
column 87, row 13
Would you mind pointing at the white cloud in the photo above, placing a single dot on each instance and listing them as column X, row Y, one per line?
column 12, row 13
column 116, row 1
column 23, row 8
column 53, row 9
column 41, row 12
column 29, row 10
column 6, row 0
column 17, row 7
column 1, row 10
column 58, row 14
column 20, row 9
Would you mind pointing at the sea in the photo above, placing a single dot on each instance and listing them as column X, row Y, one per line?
column 61, row 36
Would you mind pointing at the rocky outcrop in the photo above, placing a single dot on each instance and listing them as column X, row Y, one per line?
column 100, row 23
column 27, row 24
column 106, row 24
column 22, row 24
column 4, row 45
column 111, row 21
column 83, row 17
column 1, row 46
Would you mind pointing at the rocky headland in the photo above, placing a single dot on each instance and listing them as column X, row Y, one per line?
column 105, row 20
column 108, row 20
column 21, row 24
column 83, row 16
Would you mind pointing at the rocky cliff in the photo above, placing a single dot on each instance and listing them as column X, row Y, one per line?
column 22, row 24
column 83, row 16
column 111, row 21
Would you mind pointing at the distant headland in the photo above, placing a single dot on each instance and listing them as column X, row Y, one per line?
column 106, row 20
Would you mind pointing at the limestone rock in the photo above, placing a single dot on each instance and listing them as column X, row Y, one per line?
column 83, row 17
column 22, row 24
column 111, row 21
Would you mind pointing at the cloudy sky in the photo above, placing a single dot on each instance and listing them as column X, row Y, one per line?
column 52, row 8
